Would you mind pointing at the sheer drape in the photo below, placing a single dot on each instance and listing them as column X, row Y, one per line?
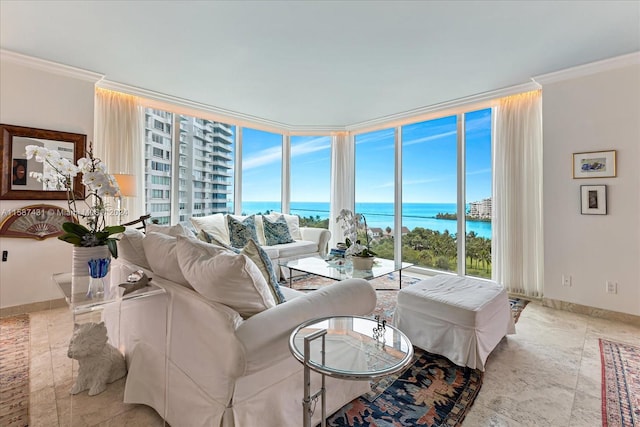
column 342, row 182
column 517, row 195
column 119, row 125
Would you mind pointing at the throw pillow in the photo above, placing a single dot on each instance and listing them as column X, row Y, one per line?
column 253, row 250
column 171, row 230
column 215, row 225
column 276, row 232
column 210, row 238
column 130, row 247
column 225, row 277
column 240, row 232
column 293, row 222
column 160, row 250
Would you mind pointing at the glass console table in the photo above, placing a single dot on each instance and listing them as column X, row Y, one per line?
column 348, row 347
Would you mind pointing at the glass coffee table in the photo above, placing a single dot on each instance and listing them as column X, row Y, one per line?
column 335, row 270
column 347, row 347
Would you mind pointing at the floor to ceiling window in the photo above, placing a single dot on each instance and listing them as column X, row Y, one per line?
column 310, row 179
column 429, row 193
column 261, row 171
column 203, row 175
column 478, row 173
column 374, row 189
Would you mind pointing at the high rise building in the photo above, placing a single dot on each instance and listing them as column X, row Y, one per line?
column 480, row 209
column 204, row 169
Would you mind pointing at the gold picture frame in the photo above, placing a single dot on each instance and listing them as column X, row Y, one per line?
column 36, row 222
column 594, row 164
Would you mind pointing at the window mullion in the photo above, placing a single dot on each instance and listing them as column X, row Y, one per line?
column 461, row 208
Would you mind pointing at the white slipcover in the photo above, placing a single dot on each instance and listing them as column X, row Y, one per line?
column 460, row 318
column 223, row 370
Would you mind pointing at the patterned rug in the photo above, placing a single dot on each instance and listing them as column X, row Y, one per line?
column 432, row 391
column 620, row 384
column 14, row 371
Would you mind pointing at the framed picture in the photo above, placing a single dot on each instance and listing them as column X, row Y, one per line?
column 16, row 183
column 593, row 199
column 36, row 222
column 594, row 164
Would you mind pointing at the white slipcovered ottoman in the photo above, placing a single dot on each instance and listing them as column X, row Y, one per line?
column 457, row 317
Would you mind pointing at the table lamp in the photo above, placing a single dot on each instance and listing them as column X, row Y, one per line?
column 127, row 184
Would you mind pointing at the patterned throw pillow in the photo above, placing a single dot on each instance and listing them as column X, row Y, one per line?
column 253, row 250
column 240, row 232
column 210, row 238
column 276, row 232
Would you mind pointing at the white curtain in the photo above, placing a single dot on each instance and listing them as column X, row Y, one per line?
column 517, row 195
column 119, row 127
column 342, row 182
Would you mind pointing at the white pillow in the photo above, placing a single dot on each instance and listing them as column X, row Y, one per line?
column 130, row 247
column 293, row 221
column 160, row 250
column 169, row 230
column 215, row 225
column 224, row 276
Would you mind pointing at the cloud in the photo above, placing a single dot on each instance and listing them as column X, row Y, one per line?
column 429, row 138
column 272, row 155
column 479, row 172
column 406, row 182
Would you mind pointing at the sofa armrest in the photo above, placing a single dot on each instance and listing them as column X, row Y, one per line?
column 265, row 336
column 318, row 235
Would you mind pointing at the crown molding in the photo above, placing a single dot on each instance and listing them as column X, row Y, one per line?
column 589, row 69
column 468, row 101
column 51, row 67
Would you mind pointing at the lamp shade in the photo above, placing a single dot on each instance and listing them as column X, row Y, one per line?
column 127, row 184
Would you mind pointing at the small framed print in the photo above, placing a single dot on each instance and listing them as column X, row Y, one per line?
column 594, row 164
column 593, row 199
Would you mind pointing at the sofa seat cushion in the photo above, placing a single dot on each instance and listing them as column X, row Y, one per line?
column 297, row 248
column 224, row 276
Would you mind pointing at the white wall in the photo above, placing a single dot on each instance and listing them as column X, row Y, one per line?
column 593, row 113
column 39, row 98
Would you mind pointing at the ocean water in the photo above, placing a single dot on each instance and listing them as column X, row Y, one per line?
column 381, row 215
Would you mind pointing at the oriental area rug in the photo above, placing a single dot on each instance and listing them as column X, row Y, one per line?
column 432, row 391
column 14, row 371
column 620, row 384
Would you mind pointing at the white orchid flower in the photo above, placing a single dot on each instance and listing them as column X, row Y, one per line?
column 35, row 150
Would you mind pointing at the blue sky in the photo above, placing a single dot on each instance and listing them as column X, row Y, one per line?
column 429, row 163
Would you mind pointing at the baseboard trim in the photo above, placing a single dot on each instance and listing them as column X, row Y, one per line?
column 591, row 311
column 32, row 307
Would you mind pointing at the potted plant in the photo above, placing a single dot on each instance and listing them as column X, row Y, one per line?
column 58, row 173
column 361, row 254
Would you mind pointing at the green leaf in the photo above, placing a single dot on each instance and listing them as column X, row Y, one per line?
column 114, row 229
column 70, row 238
column 77, row 229
column 113, row 247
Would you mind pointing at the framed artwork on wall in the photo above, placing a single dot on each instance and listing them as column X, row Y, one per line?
column 593, row 199
column 36, row 222
column 594, row 164
column 16, row 182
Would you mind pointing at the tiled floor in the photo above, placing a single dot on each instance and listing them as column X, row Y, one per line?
column 548, row 374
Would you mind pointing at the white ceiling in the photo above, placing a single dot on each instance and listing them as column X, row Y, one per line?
column 321, row 63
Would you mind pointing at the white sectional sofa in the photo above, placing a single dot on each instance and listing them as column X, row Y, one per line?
column 224, row 367
column 307, row 241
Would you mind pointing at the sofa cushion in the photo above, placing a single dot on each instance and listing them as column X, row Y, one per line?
column 276, row 232
column 215, row 224
column 207, row 237
column 241, row 231
column 130, row 247
column 297, row 248
column 179, row 229
column 160, row 250
column 253, row 250
column 293, row 221
column 224, row 276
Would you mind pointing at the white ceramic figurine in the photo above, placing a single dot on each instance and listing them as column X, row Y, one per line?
column 100, row 363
